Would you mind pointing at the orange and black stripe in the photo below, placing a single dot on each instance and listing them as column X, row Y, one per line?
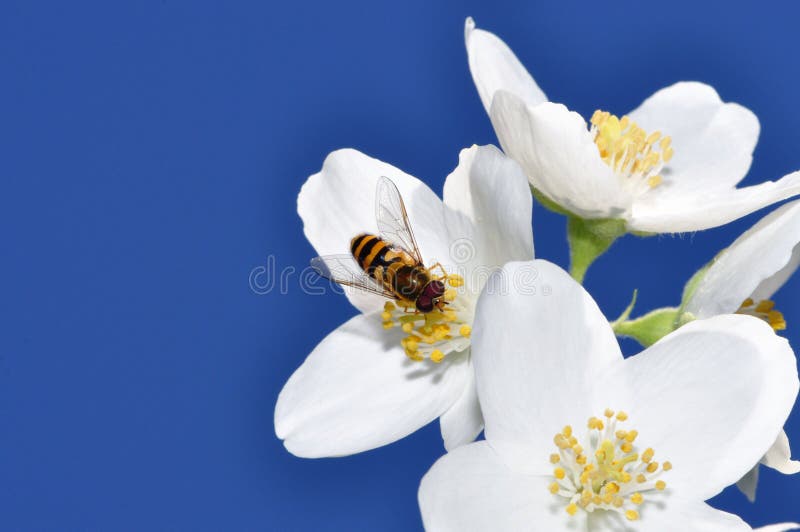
column 370, row 252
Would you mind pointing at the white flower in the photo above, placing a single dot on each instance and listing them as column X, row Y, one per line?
column 360, row 389
column 743, row 279
column 691, row 414
column 671, row 165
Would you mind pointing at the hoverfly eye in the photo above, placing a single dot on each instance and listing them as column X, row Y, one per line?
column 437, row 288
column 424, row 304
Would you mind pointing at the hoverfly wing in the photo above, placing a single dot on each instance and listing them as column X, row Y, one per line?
column 344, row 270
column 392, row 218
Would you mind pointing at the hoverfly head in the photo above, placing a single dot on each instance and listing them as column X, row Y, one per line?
column 431, row 297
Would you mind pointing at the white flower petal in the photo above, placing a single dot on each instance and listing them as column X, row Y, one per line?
column 495, row 67
column 779, row 456
column 488, row 213
column 670, row 514
column 338, row 203
column 462, row 423
column 713, row 140
column 755, row 265
column 558, row 154
column 539, row 341
column 748, row 484
column 357, row 391
column 471, row 489
column 779, row 527
column 704, row 209
column 710, row 397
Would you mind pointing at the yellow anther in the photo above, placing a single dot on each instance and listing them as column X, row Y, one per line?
column 437, row 356
column 647, row 455
column 386, row 315
column 765, row 305
column 455, row 280
column 389, row 306
column 572, row 508
column 611, row 474
column 414, row 355
column 408, row 327
column 388, row 324
column 628, row 149
column 776, row 320
column 654, row 181
column 465, row 331
column 449, row 295
column 765, row 309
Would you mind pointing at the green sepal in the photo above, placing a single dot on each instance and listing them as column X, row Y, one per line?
column 588, row 239
column 549, row 204
column 649, row 328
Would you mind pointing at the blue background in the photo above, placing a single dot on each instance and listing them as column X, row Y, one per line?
column 150, row 156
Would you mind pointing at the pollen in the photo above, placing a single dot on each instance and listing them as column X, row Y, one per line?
column 629, row 150
column 605, row 470
column 432, row 335
column 765, row 310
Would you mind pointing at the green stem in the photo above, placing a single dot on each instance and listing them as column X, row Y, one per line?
column 651, row 327
column 588, row 239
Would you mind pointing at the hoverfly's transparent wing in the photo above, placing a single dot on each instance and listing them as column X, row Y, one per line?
column 344, row 270
column 392, row 218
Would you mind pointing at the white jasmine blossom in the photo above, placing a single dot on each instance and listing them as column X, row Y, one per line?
column 667, row 429
column 671, row 165
column 743, row 279
column 382, row 375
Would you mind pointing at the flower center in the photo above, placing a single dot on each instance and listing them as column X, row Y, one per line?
column 432, row 334
column 608, row 472
column 765, row 309
column 629, row 150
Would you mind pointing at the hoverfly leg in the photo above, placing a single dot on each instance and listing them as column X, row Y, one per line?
column 441, row 268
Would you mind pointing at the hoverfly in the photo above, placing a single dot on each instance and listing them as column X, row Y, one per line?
column 390, row 264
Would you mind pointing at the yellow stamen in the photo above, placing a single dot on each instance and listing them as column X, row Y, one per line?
column 612, row 475
column 764, row 309
column 431, row 335
column 628, row 149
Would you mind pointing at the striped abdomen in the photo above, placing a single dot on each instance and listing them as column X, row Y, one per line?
column 391, row 266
